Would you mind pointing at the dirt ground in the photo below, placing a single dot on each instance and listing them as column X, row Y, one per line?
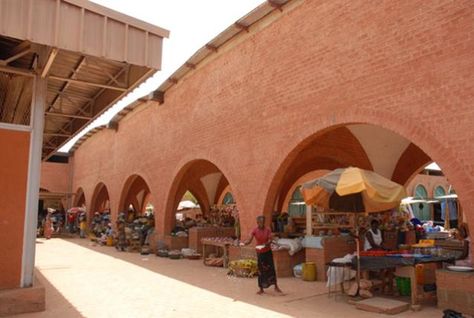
column 86, row 280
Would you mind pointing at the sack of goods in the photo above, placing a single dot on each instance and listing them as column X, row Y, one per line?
column 243, row 268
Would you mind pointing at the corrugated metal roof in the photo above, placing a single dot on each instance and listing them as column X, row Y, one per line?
column 92, row 57
column 83, row 26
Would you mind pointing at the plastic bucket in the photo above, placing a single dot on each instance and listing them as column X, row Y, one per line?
column 309, row 271
column 403, row 286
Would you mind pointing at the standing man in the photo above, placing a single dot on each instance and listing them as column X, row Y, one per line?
column 266, row 267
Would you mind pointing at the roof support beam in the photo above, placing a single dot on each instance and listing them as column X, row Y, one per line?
column 92, row 62
column 70, row 94
column 79, row 82
column 14, row 57
column 49, row 62
column 53, row 134
column 18, row 51
column 54, row 114
column 16, row 70
column 66, row 85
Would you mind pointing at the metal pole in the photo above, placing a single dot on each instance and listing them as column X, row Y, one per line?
column 34, row 172
column 309, row 221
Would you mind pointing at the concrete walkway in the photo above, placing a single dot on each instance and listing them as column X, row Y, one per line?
column 85, row 280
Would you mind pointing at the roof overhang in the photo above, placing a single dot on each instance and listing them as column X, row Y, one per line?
column 92, row 57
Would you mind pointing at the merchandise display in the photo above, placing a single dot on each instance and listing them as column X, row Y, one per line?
column 243, row 268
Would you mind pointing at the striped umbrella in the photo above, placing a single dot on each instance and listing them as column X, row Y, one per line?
column 353, row 190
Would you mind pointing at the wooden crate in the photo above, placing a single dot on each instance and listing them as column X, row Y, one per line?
column 333, row 247
column 455, row 291
column 285, row 262
column 175, row 242
column 198, row 233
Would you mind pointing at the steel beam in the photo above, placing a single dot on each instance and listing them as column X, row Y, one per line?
column 68, row 115
column 85, row 83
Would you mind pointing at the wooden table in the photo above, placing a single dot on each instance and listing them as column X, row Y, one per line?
column 404, row 268
column 220, row 244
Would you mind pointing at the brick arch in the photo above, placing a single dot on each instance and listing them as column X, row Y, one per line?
column 222, row 189
column 302, row 168
column 80, row 198
column 100, row 199
column 304, row 178
column 412, row 161
column 223, row 193
column 333, row 149
column 188, row 176
column 135, row 191
column 416, row 133
column 198, row 191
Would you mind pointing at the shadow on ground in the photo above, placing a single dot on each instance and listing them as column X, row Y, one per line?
column 301, row 297
column 56, row 304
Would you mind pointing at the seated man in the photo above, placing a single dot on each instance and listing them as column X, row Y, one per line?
column 374, row 241
column 465, row 259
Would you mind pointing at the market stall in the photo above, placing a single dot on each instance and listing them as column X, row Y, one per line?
column 221, row 244
column 221, row 222
column 416, row 267
column 363, row 193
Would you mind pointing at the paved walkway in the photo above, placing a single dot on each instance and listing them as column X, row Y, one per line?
column 84, row 280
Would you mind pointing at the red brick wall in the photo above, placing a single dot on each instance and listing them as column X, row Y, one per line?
column 13, row 181
column 55, row 177
column 455, row 291
column 405, row 66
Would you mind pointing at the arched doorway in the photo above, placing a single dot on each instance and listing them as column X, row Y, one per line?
column 421, row 210
column 365, row 146
column 228, row 198
column 206, row 183
column 80, row 198
column 100, row 199
column 136, row 195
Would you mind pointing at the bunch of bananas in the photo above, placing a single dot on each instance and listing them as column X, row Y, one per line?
column 243, row 267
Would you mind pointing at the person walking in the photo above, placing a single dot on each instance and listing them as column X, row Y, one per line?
column 266, row 267
column 48, row 227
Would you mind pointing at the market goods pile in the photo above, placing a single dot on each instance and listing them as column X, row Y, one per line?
column 228, row 240
column 243, row 268
column 214, row 261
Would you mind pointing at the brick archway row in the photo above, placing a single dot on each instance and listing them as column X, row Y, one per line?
column 303, row 158
column 253, row 107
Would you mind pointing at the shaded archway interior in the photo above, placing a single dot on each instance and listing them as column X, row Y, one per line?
column 206, row 183
column 136, row 193
column 359, row 145
column 100, row 199
column 80, row 198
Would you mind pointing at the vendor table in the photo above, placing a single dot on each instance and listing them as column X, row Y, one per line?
column 224, row 244
column 404, row 267
column 332, row 268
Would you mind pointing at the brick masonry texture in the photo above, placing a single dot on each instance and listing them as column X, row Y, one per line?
column 405, row 66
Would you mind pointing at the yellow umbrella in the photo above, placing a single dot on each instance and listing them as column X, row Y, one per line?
column 353, row 190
